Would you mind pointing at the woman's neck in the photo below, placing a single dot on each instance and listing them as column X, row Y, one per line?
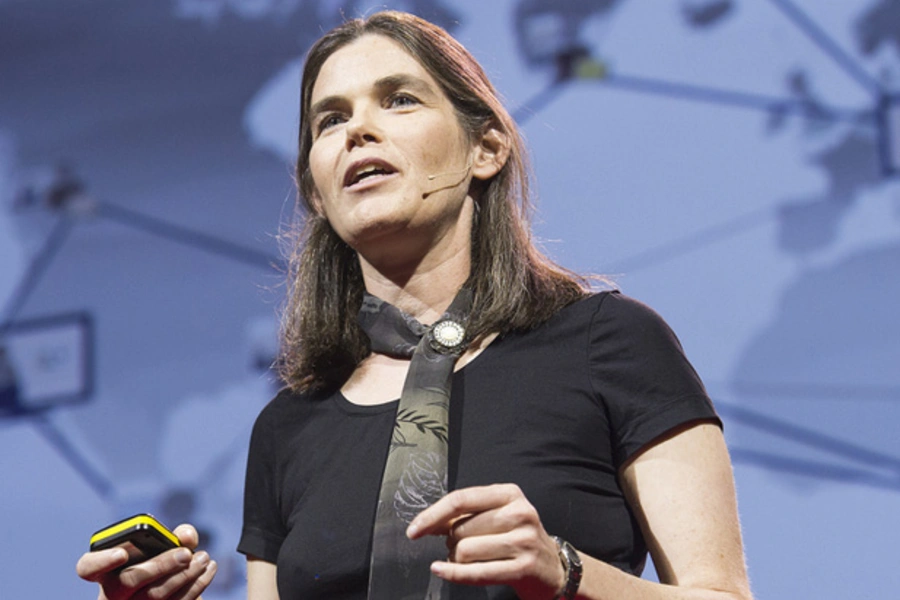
column 423, row 290
column 420, row 272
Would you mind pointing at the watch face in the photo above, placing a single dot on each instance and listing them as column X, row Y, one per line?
column 573, row 555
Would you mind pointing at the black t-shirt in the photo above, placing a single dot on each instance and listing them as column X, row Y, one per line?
column 556, row 410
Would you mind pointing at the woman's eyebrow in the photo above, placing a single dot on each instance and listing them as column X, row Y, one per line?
column 404, row 80
column 323, row 105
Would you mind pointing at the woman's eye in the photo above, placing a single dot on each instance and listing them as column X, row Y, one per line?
column 401, row 101
column 329, row 121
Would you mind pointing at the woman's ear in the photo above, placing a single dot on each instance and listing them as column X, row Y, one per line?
column 491, row 153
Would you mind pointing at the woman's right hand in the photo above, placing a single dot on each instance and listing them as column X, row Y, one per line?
column 178, row 574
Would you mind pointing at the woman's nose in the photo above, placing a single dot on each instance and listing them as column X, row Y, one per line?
column 362, row 129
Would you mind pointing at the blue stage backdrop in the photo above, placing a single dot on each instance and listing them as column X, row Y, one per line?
column 733, row 163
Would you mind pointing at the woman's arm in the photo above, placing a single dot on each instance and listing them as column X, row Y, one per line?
column 681, row 490
column 261, row 582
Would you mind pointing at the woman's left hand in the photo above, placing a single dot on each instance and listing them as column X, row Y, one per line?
column 494, row 536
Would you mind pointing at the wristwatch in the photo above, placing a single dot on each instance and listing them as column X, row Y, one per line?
column 572, row 564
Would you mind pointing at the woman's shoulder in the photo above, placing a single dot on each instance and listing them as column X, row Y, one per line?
column 575, row 321
column 616, row 305
column 289, row 403
column 611, row 321
column 612, row 307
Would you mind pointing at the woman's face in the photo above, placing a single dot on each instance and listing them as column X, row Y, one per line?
column 390, row 163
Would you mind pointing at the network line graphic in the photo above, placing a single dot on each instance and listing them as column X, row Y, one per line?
column 573, row 64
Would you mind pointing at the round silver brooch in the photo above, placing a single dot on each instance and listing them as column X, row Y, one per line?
column 448, row 335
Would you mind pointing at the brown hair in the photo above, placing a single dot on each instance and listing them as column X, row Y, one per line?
column 515, row 286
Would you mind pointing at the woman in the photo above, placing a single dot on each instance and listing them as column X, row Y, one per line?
column 571, row 414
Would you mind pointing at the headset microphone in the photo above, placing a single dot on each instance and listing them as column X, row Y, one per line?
column 444, row 183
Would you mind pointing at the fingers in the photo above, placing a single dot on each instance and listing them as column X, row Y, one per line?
column 92, row 566
column 483, row 548
column 439, row 518
column 525, row 559
column 517, row 514
column 186, row 584
column 187, row 535
column 494, row 536
column 166, row 564
column 484, row 573
column 193, row 591
column 178, row 574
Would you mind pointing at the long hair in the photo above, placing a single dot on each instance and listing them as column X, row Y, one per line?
column 515, row 286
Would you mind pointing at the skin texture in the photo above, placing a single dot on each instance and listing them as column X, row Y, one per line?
column 261, row 584
column 178, row 574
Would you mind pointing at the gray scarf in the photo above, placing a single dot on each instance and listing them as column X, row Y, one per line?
column 415, row 473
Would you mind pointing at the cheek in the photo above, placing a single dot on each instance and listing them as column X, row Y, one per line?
column 320, row 177
column 434, row 143
column 323, row 156
column 438, row 153
column 318, row 191
column 315, row 170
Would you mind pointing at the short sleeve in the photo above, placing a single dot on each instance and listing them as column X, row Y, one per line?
column 263, row 530
column 640, row 372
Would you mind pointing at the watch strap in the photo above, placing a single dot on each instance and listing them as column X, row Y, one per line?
column 572, row 564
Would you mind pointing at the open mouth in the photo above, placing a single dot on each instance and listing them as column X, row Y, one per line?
column 367, row 170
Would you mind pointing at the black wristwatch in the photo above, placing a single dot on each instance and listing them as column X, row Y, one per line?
column 572, row 564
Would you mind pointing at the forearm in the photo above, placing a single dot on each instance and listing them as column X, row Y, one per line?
column 601, row 581
column 681, row 491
